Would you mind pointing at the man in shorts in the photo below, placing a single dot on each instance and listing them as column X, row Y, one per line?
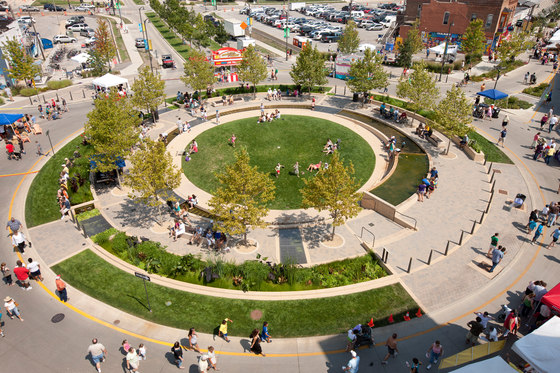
column 34, row 270
column 475, row 329
column 392, row 349
column 98, row 352
column 555, row 235
column 22, row 274
column 14, row 225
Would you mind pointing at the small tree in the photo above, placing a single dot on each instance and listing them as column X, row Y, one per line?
column 103, row 49
column 367, row 74
column 308, row 70
column 474, row 38
column 152, row 176
column 21, row 65
column 412, row 44
column 148, row 91
column 240, row 200
column 334, row 190
column 454, row 112
column 509, row 49
column 252, row 68
column 220, row 34
column 420, row 88
column 113, row 128
column 350, row 40
column 199, row 72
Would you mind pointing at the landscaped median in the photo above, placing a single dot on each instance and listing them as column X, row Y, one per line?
column 295, row 318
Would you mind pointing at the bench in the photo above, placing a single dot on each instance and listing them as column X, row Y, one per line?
column 436, row 140
column 221, row 101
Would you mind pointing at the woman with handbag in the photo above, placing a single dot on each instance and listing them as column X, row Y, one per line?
column 12, row 308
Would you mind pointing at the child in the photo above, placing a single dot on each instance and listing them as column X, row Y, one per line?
column 125, row 346
column 232, row 140
column 142, row 351
column 223, row 329
column 264, row 335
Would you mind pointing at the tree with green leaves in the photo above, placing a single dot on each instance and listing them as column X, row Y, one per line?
column 148, row 91
column 199, row 72
column 152, row 175
column 240, row 200
column 419, row 88
column 113, row 128
column 511, row 48
column 411, row 45
column 350, row 40
column 334, row 190
column 200, row 32
column 367, row 73
column 220, row 34
column 252, row 68
column 454, row 113
column 21, row 65
column 474, row 38
column 309, row 69
column 104, row 49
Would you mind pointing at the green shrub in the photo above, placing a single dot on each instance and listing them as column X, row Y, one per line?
column 511, row 102
column 58, row 84
column 2, row 102
column 120, row 243
column 103, row 238
column 536, row 91
column 28, row 92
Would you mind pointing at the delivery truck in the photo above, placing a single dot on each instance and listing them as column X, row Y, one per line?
column 233, row 28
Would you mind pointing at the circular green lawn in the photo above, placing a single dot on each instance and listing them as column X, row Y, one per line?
column 287, row 140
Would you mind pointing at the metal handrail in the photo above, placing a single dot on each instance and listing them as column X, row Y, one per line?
column 370, row 232
column 410, row 217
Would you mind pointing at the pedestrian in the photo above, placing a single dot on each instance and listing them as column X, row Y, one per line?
column 232, row 140
column 548, row 98
column 415, row 366
column 6, row 274
column 555, row 235
column 421, row 191
column 505, row 121
column 435, row 352
column 497, row 256
column 296, row 170
column 11, row 307
column 8, row 92
column 212, row 357
column 20, row 144
column 544, row 119
column 217, row 116
column 552, row 214
column 502, row 139
column 203, row 364
column 352, row 338
column 353, row 363
column 1, row 331
column 180, row 125
column 535, row 140
column 484, row 318
column 392, row 349
column 34, row 270
column 222, row 331
column 64, row 104
column 527, row 304
column 549, row 154
column 493, row 243
column 98, row 353
column 552, row 122
column 256, row 342
column 511, row 324
column 482, row 87
column 265, row 336
column 313, row 103
column 132, row 360
column 14, row 225
column 475, row 329
column 61, row 289
column 538, row 233
column 64, row 207
column 526, row 78
column 22, row 275
column 193, row 340
column 277, row 169
column 177, row 350
column 142, row 351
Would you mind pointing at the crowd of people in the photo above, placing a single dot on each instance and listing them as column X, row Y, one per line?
column 393, row 113
column 428, row 185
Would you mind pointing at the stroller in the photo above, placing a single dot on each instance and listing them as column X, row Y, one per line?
column 519, row 200
column 478, row 112
column 364, row 337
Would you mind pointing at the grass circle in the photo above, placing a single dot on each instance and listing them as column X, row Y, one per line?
column 286, row 140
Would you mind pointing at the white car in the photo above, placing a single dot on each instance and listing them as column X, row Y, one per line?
column 375, row 27
column 82, row 8
column 63, row 39
column 26, row 19
column 90, row 41
column 78, row 27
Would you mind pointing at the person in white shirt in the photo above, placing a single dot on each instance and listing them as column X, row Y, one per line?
column 34, row 269
column 484, row 317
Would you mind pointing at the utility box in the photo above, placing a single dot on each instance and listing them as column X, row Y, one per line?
column 243, row 43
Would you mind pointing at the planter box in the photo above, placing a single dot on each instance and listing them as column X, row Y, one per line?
column 477, row 157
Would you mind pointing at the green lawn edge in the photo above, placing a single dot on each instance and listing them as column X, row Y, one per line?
column 296, row 318
column 490, row 150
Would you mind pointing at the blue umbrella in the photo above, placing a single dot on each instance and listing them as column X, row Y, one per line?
column 493, row 94
column 6, row 119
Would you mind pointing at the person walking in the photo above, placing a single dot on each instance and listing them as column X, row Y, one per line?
column 392, row 349
column 12, row 308
column 18, row 241
column 538, row 233
column 552, row 214
column 61, row 289
column 34, row 270
column 552, row 122
column 13, row 225
column 256, row 343
column 505, row 121
column 142, row 351
column 217, row 116
column 98, row 353
column 132, row 360
column 177, row 350
column 511, row 324
column 502, row 139
column 526, row 78
column 497, row 256
column 415, row 366
column 212, row 357
column 265, row 336
column 475, row 329
column 203, row 363
column 435, row 352
column 493, row 243
column 22, row 275
column 353, row 363
column 277, row 169
column 222, row 331
column 193, row 340
column 555, row 235
column 6, row 274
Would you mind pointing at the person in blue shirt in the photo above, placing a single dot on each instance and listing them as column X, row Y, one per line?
column 264, row 335
column 433, row 172
column 353, row 363
column 555, row 235
column 538, row 233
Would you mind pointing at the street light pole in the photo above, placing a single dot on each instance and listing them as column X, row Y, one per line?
column 447, row 38
column 287, row 29
column 497, row 77
column 148, row 45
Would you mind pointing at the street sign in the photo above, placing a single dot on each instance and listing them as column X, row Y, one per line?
column 140, row 27
column 243, row 26
column 286, row 32
column 146, row 46
column 142, row 276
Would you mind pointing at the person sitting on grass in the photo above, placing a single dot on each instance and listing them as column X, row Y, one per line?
column 262, row 119
column 193, row 201
column 315, row 167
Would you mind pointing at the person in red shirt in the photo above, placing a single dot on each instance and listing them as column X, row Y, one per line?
column 10, row 150
column 22, row 274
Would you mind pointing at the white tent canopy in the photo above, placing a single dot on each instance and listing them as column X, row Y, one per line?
column 440, row 49
column 540, row 348
column 108, row 81
column 494, row 365
column 81, row 58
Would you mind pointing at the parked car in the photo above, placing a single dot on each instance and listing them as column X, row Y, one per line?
column 82, row 8
column 73, row 20
column 53, row 8
column 26, row 20
column 90, row 41
column 63, row 39
column 87, row 32
column 139, row 43
column 167, row 61
column 331, row 37
column 29, row 8
column 375, row 27
column 78, row 27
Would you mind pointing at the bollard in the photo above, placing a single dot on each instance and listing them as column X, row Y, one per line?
column 473, row 227
column 71, row 98
column 430, row 257
column 44, row 101
column 447, row 248
column 409, row 265
column 344, row 90
column 335, row 89
column 446, row 77
column 84, row 93
column 57, row 99
column 30, row 101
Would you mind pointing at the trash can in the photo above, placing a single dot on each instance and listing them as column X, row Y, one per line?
column 356, row 97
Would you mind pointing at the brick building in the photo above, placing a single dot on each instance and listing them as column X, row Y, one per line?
column 438, row 18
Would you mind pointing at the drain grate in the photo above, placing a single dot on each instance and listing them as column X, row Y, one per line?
column 57, row 318
column 501, row 191
column 117, row 322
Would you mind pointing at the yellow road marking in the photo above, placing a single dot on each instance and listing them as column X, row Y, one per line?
column 21, row 173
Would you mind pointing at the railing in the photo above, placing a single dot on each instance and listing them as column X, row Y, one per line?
column 409, row 217
column 370, row 232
